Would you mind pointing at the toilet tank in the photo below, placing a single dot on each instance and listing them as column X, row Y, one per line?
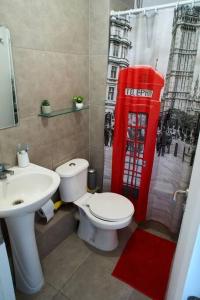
column 73, row 182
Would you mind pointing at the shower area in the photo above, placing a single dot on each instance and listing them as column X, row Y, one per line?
column 165, row 37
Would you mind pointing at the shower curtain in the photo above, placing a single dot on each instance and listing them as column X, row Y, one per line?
column 168, row 40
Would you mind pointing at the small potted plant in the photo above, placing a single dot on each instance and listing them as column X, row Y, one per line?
column 46, row 107
column 78, row 100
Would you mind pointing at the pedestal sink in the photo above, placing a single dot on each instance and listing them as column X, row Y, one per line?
column 21, row 195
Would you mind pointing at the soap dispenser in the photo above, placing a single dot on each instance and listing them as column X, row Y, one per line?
column 22, row 155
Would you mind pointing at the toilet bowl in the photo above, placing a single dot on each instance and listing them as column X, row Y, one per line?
column 100, row 214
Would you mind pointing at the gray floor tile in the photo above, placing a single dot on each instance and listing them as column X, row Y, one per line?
column 135, row 295
column 47, row 293
column 60, row 296
column 158, row 233
column 75, row 270
column 157, row 229
column 93, row 280
column 61, row 263
column 123, row 235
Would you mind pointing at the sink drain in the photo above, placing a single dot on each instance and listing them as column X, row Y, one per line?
column 16, row 202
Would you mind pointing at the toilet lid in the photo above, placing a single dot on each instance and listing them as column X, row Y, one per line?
column 110, row 206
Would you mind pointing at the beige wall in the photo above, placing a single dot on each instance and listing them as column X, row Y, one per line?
column 50, row 41
column 99, row 33
column 121, row 4
column 59, row 50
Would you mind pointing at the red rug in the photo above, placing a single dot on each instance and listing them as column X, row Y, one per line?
column 145, row 264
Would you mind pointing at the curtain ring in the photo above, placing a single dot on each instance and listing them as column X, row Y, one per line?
column 156, row 11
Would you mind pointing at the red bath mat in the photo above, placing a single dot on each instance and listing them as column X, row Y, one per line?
column 145, row 264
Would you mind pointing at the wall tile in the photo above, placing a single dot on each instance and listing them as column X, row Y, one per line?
column 68, row 30
column 51, row 60
column 50, row 42
column 27, row 68
column 121, row 4
column 67, row 147
column 83, row 153
column 98, row 75
column 41, row 154
column 58, row 26
column 25, row 28
column 99, row 26
column 96, row 161
column 47, row 75
column 26, row 132
column 97, row 126
column 99, row 35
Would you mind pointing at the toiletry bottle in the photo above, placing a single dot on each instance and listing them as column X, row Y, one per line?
column 22, row 156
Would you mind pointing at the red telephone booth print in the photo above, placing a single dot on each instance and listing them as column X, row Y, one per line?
column 136, row 119
column 134, row 158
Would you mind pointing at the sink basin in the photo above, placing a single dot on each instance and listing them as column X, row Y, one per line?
column 21, row 195
column 27, row 190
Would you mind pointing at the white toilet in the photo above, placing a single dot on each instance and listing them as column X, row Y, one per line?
column 101, row 214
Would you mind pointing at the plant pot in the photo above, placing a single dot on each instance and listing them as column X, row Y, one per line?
column 46, row 109
column 79, row 105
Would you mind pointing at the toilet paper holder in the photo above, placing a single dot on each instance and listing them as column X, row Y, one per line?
column 47, row 210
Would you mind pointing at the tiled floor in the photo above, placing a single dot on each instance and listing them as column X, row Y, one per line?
column 76, row 271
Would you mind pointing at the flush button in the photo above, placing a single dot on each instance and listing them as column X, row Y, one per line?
column 72, row 164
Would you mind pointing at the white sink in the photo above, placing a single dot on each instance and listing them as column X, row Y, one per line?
column 21, row 195
column 27, row 190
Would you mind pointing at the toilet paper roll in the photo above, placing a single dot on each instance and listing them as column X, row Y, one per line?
column 47, row 210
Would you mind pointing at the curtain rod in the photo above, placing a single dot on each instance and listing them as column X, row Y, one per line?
column 156, row 7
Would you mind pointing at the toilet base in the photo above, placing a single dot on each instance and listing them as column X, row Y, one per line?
column 102, row 239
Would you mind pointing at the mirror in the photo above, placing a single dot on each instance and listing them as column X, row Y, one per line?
column 8, row 99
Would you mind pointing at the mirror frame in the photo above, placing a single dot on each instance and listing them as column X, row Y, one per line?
column 13, row 83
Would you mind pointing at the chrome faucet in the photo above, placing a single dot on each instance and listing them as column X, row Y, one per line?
column 4, row 171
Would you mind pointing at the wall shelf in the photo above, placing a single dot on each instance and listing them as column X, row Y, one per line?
column 63, row 112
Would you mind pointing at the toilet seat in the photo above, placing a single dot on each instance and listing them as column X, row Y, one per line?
column 110, row 207
column 83, row 203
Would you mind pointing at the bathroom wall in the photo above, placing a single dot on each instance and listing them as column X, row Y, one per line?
column 50, row 41
column 60, row 53
column 121, row 4
column 99, row 34
column 129, row 4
